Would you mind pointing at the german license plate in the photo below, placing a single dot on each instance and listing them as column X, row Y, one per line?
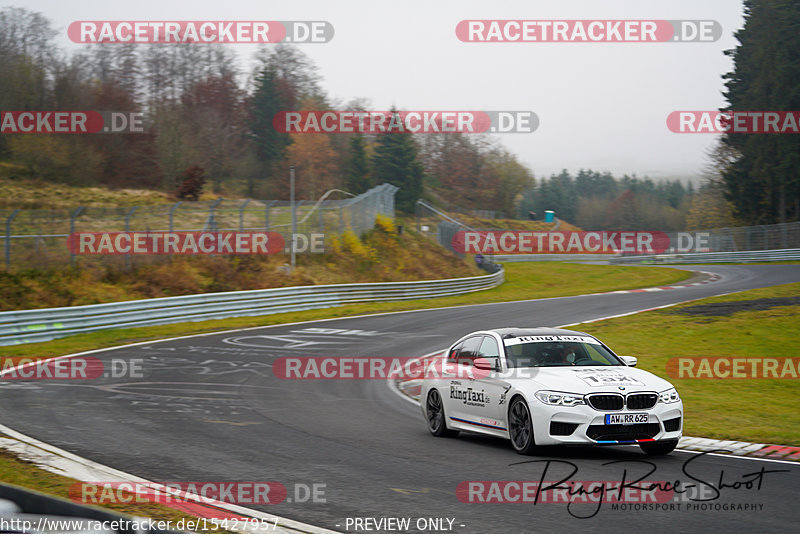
column 626, row 418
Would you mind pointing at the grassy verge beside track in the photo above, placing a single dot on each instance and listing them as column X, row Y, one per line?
column 14, row 470
column 523, row 281
column 741, row 325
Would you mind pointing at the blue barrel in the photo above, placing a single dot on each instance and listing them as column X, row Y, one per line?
column 549, row 215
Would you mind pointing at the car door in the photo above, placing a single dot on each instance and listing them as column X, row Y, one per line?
column 491, row 411
column 458, row 394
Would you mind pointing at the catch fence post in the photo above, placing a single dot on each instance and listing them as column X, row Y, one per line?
column 72, row 216
column 8, row 238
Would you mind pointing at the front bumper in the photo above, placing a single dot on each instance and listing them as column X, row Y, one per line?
column 583, row 425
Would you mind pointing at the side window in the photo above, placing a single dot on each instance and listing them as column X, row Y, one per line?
column 489, row 348
column 469, row 350
column 453, row 356
column 490, row 351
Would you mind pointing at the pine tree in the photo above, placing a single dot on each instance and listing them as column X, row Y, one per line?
column 357, row 177
column 559, row 194
column 763, row 182
column 395, row 161
column 270, row 144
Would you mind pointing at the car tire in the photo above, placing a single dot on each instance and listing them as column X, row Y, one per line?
column 659, row 448
column 520, row 426
column 437, row 421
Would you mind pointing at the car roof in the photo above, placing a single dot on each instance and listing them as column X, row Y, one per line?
column 510, row 332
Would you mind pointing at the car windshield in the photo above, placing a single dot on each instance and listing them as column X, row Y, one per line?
column 542, row 353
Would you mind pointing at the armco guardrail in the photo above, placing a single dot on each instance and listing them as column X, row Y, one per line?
column 29, row 326
column 745, row 256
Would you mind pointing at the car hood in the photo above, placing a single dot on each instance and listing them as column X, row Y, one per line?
column 585, row 379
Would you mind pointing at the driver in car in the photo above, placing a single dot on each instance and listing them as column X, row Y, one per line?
column 569, row 354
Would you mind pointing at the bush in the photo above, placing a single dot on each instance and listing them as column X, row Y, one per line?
column 192, row 185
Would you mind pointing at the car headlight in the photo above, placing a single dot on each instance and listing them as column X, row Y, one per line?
column 669, row 396
column 558, row 398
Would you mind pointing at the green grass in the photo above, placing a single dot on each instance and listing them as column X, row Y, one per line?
column 756, row 410
column 523, row 281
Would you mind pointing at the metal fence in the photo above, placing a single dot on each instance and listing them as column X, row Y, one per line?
column 736, row 239
column 442, row 227
column 28, row 326
column 778, row 242
column 36, row 238
column 769, row 242
column 742, row 256
column 437, row 224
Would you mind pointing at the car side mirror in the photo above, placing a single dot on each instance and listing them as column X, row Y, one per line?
column 484, row 364
column 630, row 361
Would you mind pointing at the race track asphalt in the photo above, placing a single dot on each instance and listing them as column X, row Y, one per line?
column 208, row 408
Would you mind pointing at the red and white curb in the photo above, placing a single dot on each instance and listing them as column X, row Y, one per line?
column 741, row 448
column 711, row 277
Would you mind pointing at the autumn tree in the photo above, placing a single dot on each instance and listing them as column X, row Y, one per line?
column 295, row 74
column 457, row 168
column 215, row 111
column 512, row 178
column 26, row 60
column 174, row 151
column 128, row 159
column 315, row 164
column 709, row 209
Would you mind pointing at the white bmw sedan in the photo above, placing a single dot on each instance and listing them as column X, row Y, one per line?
column 546, row 386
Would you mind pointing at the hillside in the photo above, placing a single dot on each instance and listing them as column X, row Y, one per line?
column 30, row 194
column 380, row 255
column 513, row 224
